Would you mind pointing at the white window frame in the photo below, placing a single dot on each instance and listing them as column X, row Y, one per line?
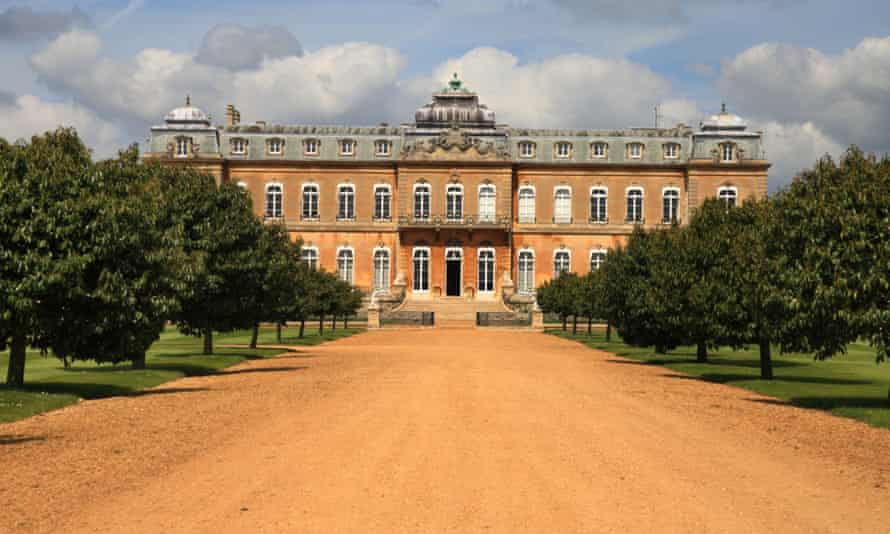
column 557, row 218
column 388, row 215
column 521, row 217
column 310, row 216
column 429, row 201
column 728, row 189
column 346, row 216
column 382, row 147
column 530, row 275
column 627, row 215
column 559, row 153
column 630, row 150
column 486, row 217
column 460, row 196
column 671, row 150
column 272, row 142
column 414, row 279
column 376, row 285
column 183, row 147
column 270, row 211
column 605, row 218
column 676, row 214
column 351, row 272
column 557, row 252
column 315, row 143
column 239, row 146
column 350, row 143
column 460, row 252
column 732, row 152
column 311, row 262
column 527, row 149
column 598, row 252
column 494, row 265
column 595, row 154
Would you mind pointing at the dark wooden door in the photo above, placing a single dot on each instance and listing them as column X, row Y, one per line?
column 452, row 278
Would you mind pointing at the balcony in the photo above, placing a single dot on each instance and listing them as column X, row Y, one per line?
column 438, row 222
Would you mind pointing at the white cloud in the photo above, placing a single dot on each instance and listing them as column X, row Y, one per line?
column 237, row 47
column 29, row 115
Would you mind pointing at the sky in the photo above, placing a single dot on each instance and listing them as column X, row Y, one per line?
column 814, row 76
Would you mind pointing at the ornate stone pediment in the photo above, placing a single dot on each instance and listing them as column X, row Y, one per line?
column 453, row 145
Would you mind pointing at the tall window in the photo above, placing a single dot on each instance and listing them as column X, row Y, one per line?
column 345, row 264
column 526, row 149
column 597, row 257
column 310, row 201
column 526, row 272
column 487, row 203
column 599, row 150
column 598, row 204
column 421, row 269
column 381, row 270
column 239, row 146
column 454, row 198
column 182, row 147
column 727, row 152
column 346, row 202
column 276, row 146
column 381, row 148
column 486, row 270
column 670, row 205
column 382, row 197
column 562, row 206
column 273, row 201
column 562, row 262
column 634, row 205
column 526, row 204
column 563, row 150
column 635, row 150
column 422, row 202
column 728, row 195
column 310, row 256
column 310, row 147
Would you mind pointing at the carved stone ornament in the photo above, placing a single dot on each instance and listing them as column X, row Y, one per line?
column 453, row 145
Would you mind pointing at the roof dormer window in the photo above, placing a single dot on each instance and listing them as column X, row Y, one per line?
column 727, row 152
column 563, row 150
column 599, row 150
column 183, row 147
column 239, row 146
column 347, row 147
column 526, row 149
column 382, row 147
column 276, row 146
column 635, row 151
column 310, row 147
column 671, row 151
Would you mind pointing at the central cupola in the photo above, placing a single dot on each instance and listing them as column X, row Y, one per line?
column 454, row 106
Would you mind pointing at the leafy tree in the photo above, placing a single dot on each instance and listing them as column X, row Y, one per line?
column 322, row 294
column 274, row 281
column 555, row 296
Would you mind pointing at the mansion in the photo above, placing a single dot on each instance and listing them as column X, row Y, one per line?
column 455, row 204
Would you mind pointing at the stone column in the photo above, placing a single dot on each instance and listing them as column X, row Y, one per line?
column 373, row 316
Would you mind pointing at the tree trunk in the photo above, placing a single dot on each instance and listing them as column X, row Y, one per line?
column 608, row 332
column 346, row 322
column 302, row 327
column 659, row 349
column 321, row 324
column 574, row 325
column 564, row 323
column 15, row 376
column 254, row 335
column 589, row 325
column 208, row 341
column 139, row 361
column 278, row 333
column 701, row 353
column 766, row 361
column 334, row 323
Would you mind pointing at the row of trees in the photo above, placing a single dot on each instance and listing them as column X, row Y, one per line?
column 96, row 257
column 807, row 269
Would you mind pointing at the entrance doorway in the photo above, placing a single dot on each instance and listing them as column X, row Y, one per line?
column 453, row 271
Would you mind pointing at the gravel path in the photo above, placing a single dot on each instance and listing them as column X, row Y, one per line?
column 434, row 431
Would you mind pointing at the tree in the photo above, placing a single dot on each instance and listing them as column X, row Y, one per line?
column 555, row 296
column 322, row 294
column 42, row 184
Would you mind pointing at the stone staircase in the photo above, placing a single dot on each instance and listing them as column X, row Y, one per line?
column 453, row 312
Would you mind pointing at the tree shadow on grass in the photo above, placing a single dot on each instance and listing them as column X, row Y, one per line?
column 262, row 370
column 715, row 362
column 829, row 403
column 724, row 378
column 92, row 391
column 12, row 439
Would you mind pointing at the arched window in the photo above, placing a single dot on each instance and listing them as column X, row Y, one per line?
column 526, row 265
column 454, row 202
column 527, row 204
column 597, row 257
column 598, row 205
column 562, row 262
column 345, row 264
column 346, row 202
column 310, row 256
column 421, row 280
column 670, row 198
column 273, row 201
column 310, row 201
column 562, row 205
column 634, row 205
column 422, row 202
column 382, row 197
column 486, row 270
column 487, row 203
column 728, row 195
column 381, row 270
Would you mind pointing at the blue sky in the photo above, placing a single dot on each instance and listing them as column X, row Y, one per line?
column 814, row 75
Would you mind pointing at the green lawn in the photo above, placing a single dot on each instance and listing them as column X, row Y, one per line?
column 48, row 385
column 850, row 385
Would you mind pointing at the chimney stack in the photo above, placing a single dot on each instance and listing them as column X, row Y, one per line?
column 233, row 116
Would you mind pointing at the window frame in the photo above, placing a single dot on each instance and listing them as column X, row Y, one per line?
column 313, row 263
column 269, row 211
column 558, row 252
column 270, row 143
column 531, row 145
column 351, row 252
column 534, row 199
column 664, row 193
column 599, row 144
column 316, row 142
column 733, row 152
column 598, row 252
column 385, row 143
column 604, row 219
column 556, row 217
column 667, row 148
column 185, row 143
column 317, row 212
column 730, row 189
column 353, row 146
column 530, row 275
column 414, row 279
column 341, row 189
column 449, row 216
column 630, row 150
column 429, row 201
column 244, row 144
column 388, row 215
column 386, row 279
column 556, row 149
column 479, row 252
column 627, row 215
column 494, row 203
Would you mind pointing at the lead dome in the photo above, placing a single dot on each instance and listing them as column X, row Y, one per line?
column 188, row 115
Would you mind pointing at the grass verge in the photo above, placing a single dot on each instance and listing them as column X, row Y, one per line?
column 48, row 385
column 850, row 385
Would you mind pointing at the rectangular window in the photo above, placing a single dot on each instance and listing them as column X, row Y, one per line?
column 454, row 203
column 526, row 150
column 381, row 270
column 382, row 198
column 311, row 147
column 346, row 203
column 563, row 150
column 671, row 151
column 526, row 205
column 182, row 147
column 670, row 205
column 636, row 150
column 598, row 204
column 562, row 263
column 562, row 209
column 486, row 271
column 526, row 272
column 422, row 203
column 382, row 148
column 310, row 202
column 421, row 262
column 634, row 206
column 728, row 152
column 239, row 146
column 273, row 201
column 275, row 146
column 599, row 150
column 347, row 148
column 345, row 265
column 487, row 198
